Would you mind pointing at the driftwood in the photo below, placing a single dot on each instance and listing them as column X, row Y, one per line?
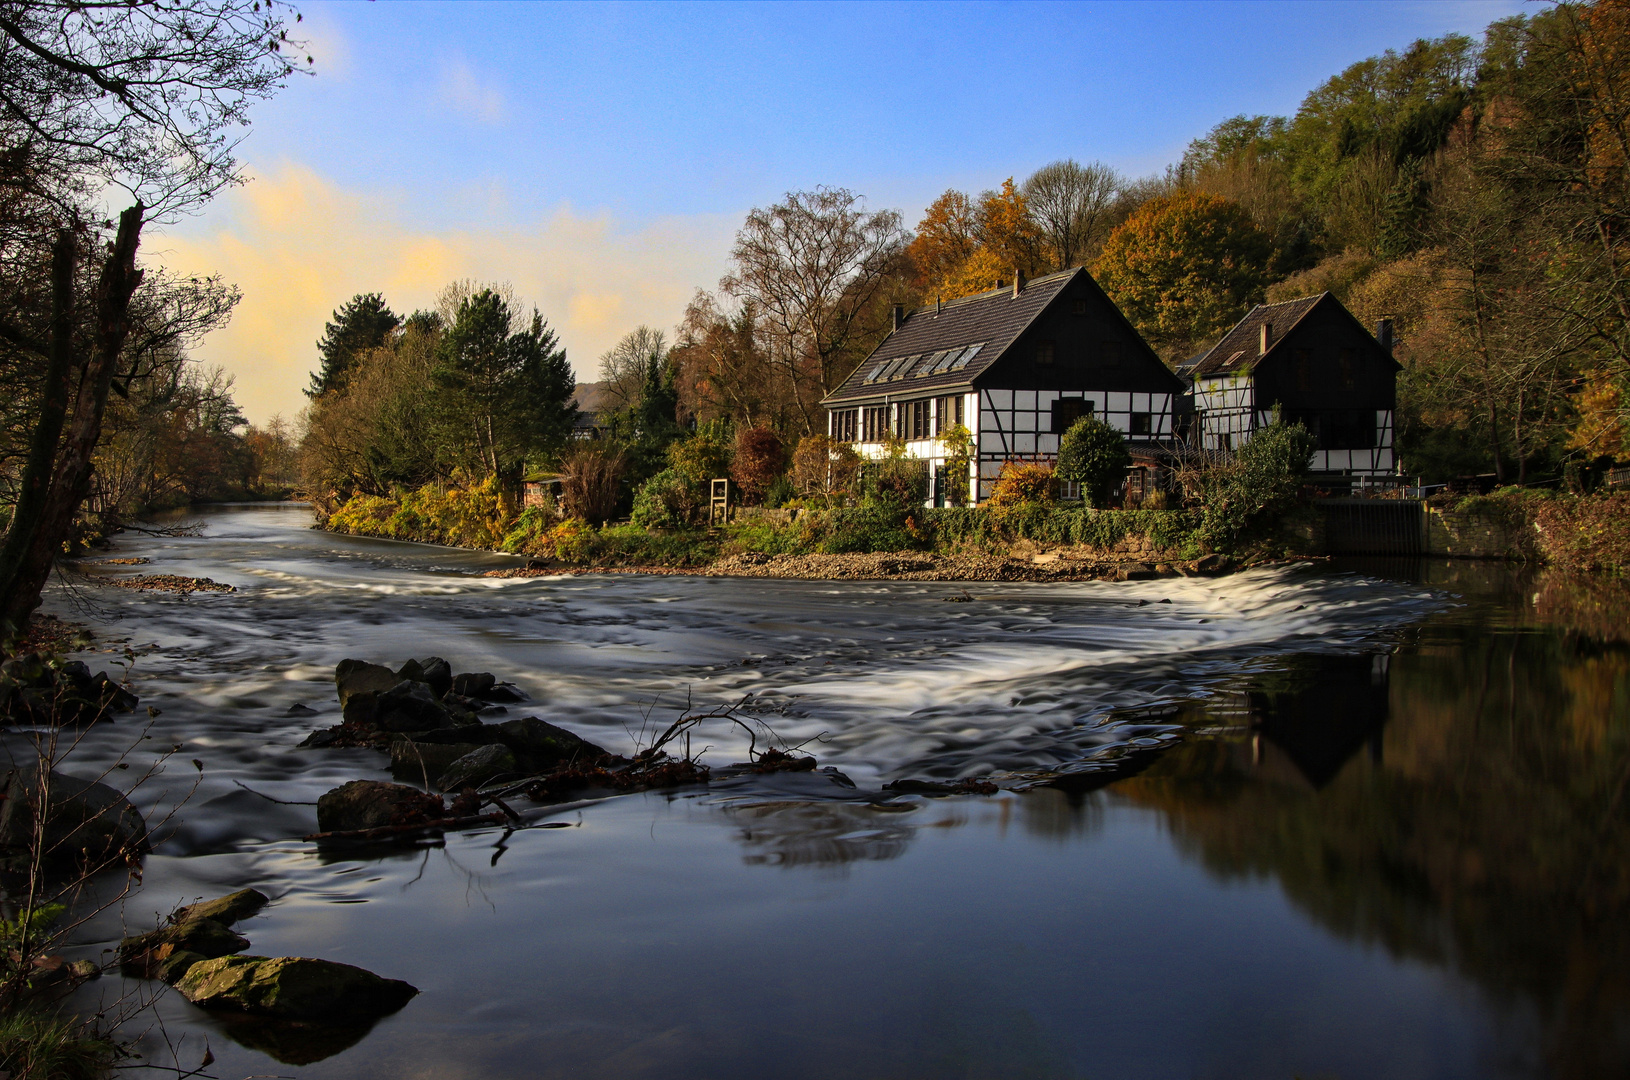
column 383, row 832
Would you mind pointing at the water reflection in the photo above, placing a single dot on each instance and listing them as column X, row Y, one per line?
column 1462, row 802
column 828, row 835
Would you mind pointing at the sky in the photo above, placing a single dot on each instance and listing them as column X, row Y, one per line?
column 600, row 157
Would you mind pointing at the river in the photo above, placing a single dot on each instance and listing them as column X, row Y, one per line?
column 1376, row 824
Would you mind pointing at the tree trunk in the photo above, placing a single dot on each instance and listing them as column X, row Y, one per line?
column 72, row 475
column 36, row 479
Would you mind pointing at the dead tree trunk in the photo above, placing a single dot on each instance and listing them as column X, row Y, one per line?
column 24, row 571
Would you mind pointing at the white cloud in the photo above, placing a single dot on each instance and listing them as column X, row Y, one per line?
column 300, row 246
column 469, row 95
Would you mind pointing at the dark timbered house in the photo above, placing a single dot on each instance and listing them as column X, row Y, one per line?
column 1318, row 364
column 1016, row 367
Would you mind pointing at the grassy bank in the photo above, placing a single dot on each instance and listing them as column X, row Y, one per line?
column 1571, row 532
column 482, row 518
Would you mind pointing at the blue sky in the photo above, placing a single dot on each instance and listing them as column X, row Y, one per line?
column 600, row 156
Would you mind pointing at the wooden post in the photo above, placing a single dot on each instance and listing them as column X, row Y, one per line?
column 718, row 504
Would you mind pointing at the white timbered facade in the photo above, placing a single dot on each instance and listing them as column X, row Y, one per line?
column 1015, row 368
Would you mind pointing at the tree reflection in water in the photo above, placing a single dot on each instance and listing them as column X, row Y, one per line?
column 1462, row 801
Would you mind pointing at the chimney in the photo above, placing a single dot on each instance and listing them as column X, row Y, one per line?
column 936, row 305
column 1018, row 282
column 1383, row 333
column 1267, row 339
column 899, row 315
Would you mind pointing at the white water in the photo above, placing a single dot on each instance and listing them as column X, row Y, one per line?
column 892, row 678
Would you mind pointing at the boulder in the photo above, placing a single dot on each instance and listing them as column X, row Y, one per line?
column 435, row 673
column 412, row 760
column 228, row 909
column 479, row 766
column 372, row 804
column 476, row 734
column 474, row 683
column 359, row 684
column 166, row 953
column 35, row 689
column 409, row 706
column 504, row 693
column 82, row 819
column 293, row 987
column 540, row 746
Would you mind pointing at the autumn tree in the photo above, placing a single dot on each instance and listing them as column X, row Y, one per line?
column 721, row 368
column 811, row 267
column 946, row 237
column 1184, row 268
column 626, row 367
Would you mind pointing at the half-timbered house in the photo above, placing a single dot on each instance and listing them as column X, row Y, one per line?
column 1016, row 367
column 1317, row 364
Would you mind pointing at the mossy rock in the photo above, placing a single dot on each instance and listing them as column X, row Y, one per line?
column 156, row 954
column 226, row 910
column 293, row 987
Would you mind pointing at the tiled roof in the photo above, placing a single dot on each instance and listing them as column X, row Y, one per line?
column 991, row 320
column 1238, row 349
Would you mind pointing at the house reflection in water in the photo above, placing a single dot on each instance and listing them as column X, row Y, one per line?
column 1304, row 734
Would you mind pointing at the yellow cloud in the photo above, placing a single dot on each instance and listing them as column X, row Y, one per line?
column 300, row 246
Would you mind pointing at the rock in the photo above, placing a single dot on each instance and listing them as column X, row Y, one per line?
column 479, row 766
column 166, row 952
column 83, row 819
column 538, row 745
column 476, row 734
column 228, row 909
column 295, row 987
column 371, row 804
column 409, row 706
column 36, row 690
column 359, row 684
column 438, row 674
column 473, row 683
column 505, row 693
column 298, row 709
column 411, row 760
column 1212, row 564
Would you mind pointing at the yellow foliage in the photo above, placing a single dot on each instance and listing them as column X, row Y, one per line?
column 1024, row 482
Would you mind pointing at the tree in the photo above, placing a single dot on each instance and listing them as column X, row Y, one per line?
column 114, row 97
column 1070, row 204
column 363, row 323
column 810, row 268
column 1093, row 454
column 760, row 457
column 946, row 238
column 1184, row 268
column 721, row 371
column 1253, row 491
column 508, row 389
column 625, row 368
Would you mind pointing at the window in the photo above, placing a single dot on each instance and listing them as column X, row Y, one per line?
column 1067, row 411
column 948, row 413
column 1304, row 369
column 915, row 421
column 1347, row 364
column 1109, row 354
column 846, row 425
column 1142, row 423
column 874, row 423
column 1337, row 429
column 1044, row 353
column 1078, row 306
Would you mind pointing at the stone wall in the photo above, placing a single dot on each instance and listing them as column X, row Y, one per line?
column 1463, row 535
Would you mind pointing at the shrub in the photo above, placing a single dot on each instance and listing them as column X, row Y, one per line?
column 1261, row 483
column 1584, row 532
column 896, row 482
column 823, row 470
column 1024, row 482
column 875, row 527
column 528, row 529
column 780, row 492
column 1093, row 454
column 702, row 457
column 669, row 500
column 760, row 460
column 591, row 482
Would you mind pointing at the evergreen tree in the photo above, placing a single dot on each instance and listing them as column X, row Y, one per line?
column 363, row 323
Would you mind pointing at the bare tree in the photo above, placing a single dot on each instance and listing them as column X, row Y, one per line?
column 99, row 97
column 810, row 268
column 624, row 366
column 1071, row 205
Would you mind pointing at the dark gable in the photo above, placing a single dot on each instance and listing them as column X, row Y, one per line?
column 1059, row 333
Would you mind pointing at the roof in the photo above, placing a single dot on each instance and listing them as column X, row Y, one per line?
column 936, row 350
column 1238, row 349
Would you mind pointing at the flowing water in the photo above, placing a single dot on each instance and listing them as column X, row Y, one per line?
column 1371, row 821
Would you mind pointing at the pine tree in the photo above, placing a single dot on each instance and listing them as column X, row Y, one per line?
column 362, row 324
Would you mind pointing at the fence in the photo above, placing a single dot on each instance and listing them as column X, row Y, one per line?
column 1373, row 526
